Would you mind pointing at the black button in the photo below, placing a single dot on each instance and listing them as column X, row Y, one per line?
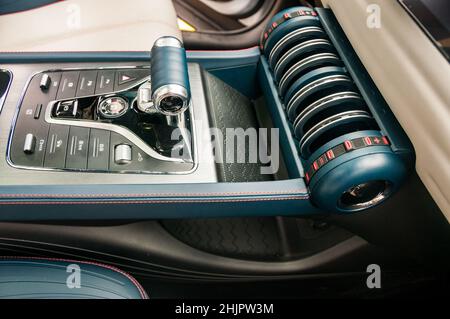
column 98, row 157
column 37, row 111
column 86, row 83
column 105, row 82
column 67, row 109
column 68, row 85
column 130, row 77
column 55, row 155
column 77, row 148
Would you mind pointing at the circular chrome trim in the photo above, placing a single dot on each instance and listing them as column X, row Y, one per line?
column 299, row 95
column 303, row 64
column 300, row 47
column 168, row 41
column 325, row 124
column 323, row 104
column 291, row 36
column 379, row 195
column 171, row 91
column 101, row 108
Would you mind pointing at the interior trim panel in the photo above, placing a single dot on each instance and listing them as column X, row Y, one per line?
column 413, row 77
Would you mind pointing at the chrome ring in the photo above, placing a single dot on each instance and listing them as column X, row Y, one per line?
column 171, row 91
column 298, row 96
column 303, row 64
column 324, row 103
column 291, row 36
column 364, row 195
column 300, row 47
column 327, row 123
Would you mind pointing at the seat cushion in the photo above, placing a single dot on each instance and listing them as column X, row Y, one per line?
column 86, row 25
column 49, row 278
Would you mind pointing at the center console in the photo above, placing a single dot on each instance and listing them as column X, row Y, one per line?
column 109, row 119
column 157, row 135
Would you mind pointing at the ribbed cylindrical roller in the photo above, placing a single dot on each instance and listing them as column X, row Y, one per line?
column 169, row 76
column 300, row 52
column 315, row 85
column 325, row 107
column 334, row 126
column 288, row 28
column 349, row 165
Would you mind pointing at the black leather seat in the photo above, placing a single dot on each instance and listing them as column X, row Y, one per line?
column 49, row 278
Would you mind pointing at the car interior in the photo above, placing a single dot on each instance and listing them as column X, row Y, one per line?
column 224, row 148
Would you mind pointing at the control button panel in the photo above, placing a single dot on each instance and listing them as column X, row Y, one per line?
column 65, row 143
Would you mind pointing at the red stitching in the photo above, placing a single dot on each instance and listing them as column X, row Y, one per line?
column 127, row 275
column 153, row 194
column 153, row 201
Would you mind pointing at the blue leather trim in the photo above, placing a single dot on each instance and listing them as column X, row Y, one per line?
column 226, row 64
column 46, row 278
column 288, row 197
column 169, row 67
column 60, row 57
column 16, row 6
column 211, row 60
column 287, row 142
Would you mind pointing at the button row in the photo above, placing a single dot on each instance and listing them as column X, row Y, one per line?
column 92, row 82
column 79, row 148
column 71, row 147
column 343, row 148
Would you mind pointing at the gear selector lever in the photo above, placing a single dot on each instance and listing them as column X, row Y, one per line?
column 170, row 81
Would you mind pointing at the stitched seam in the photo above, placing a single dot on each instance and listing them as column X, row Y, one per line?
column 127, row 275
column 153, row 194
column 150, row 201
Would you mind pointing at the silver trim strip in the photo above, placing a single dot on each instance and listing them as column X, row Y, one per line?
column 300, row 47
column 299, row 95
column 300, row 65
column 325, row 124
column 3, row 97
column 323, row 102
column 289, row 36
